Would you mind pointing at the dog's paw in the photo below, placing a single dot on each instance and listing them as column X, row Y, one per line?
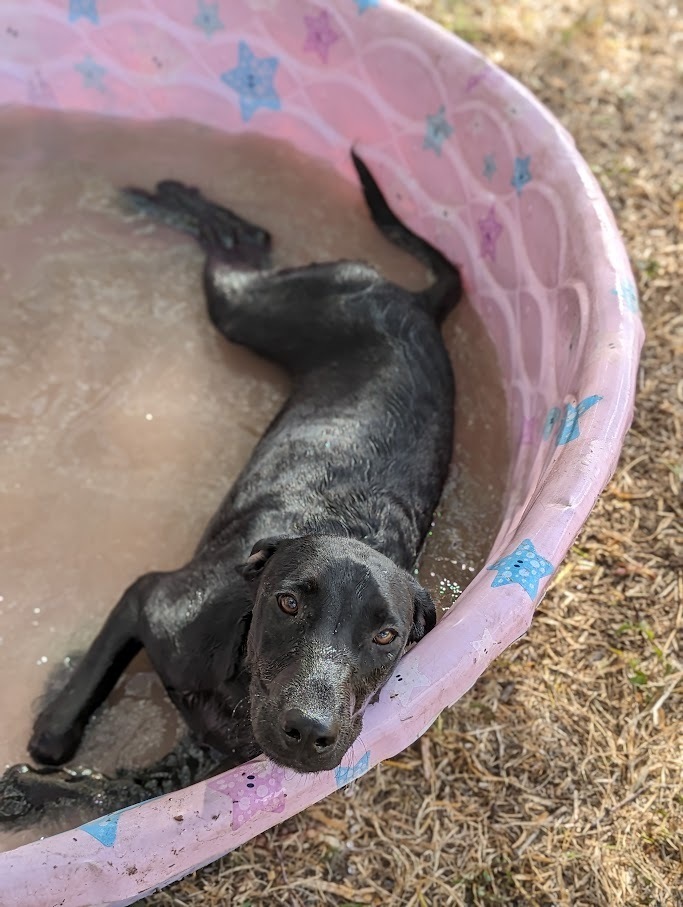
column 16, row 793
column 50, row 747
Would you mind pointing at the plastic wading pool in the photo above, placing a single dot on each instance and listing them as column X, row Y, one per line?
column 474, row 163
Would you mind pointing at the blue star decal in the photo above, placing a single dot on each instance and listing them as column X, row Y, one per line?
column 363, row 5
column 93, row 74
column 207, row 18
column 105, row 828
column 438, row 130
column 522, row 174
column 626, row 292
column 344, row 774
column 489, row 166
column 551, row 422
column 569, row 430
column 524, row 566
column 83, row 9
column 252, row 79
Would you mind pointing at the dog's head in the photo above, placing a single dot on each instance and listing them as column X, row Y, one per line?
column 331, row 619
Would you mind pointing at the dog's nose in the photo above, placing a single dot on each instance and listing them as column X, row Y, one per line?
column 310, row 733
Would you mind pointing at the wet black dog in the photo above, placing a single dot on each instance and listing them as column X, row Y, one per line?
column 279, row 650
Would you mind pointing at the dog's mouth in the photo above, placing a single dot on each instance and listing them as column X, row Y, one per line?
column 294, row 732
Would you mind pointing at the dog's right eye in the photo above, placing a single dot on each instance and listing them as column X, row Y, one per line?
column 287, row 603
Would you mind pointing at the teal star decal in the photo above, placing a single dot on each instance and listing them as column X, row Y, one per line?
column 524, row 566
column 252, row 79
column 106, row 828
column 522, row 173
column 626, row 292
column 208, row 18
column 569, row 430
column 93, row 74
column 551, row 421
column 83, row 9
column 343, row 775
column 489, row 166
column 438, row 130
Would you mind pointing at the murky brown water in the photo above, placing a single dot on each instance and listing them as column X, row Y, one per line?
column 125, row 416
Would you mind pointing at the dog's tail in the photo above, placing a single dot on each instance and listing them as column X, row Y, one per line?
column 442, row 295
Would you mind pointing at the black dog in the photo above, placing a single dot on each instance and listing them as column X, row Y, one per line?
column 279, row 650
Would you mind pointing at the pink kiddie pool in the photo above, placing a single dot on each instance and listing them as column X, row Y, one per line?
column 477, row 166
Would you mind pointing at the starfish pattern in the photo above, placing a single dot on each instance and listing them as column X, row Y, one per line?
column 407, row 678
column 93, row 74
column 38, row 89
column 208, row 18
column 252, row 79
column 522, row 173
column 569, row 430
column 364, row 5
column 475, row 79
column 626, row 292
column 106, row 828
column 438, row 130
column 475, row 125
column 258, row 789
column 484, row 644
column 528, row 433
column 321, row 36
column 490, row 229
column 346, row 773
column 489, row 166
column 551, row 421
column 524, row 566
column 83, row 9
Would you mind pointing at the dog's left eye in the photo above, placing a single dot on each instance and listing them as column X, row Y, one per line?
column 384, row 637
column 287, row 603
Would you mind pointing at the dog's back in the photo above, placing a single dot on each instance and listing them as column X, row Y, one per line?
column 362, row 446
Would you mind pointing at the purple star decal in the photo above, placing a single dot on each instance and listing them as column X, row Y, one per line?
column 490, row 229
column 475, row 79
column 260, row 788
column 528, row 433
column 321, row 36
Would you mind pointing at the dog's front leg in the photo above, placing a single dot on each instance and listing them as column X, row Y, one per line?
column 27, row 793
column 58, row 729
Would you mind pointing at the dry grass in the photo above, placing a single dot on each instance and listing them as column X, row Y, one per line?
column 557, row 780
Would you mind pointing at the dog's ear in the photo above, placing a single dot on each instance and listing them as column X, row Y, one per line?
column 260, row 553
column 424, row 613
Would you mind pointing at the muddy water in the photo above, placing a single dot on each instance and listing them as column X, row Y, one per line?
column 124, row 416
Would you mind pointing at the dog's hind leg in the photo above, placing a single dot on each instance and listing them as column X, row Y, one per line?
column 219, row 230
column 287, row 315
column 58, row 729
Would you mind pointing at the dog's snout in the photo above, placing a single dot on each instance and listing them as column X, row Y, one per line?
column 309, row 733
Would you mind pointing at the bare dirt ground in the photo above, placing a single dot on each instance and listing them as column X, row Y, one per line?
column 558, row 779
